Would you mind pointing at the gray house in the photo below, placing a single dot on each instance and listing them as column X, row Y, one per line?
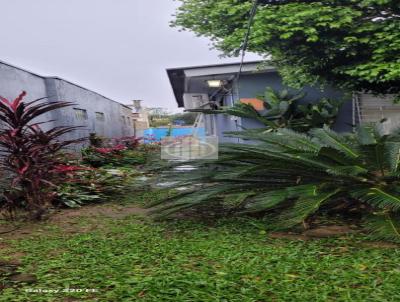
column 200, row 86
column 96, row 113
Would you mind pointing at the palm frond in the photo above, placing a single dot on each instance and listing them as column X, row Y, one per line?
column 303, row 208
column 334, row 140
column 335, row 156
column 236, row 200
column 271, row 199
column 392, row 155
column 383, row 226
column 379, row 198
column 347, row 170
column 308, row 190
column 266, row 201
column 192, row 199
column 285, row 138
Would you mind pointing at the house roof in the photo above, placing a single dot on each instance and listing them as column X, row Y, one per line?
column 178, row 76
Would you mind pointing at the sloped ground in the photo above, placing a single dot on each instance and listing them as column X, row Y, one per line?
column 114, row 253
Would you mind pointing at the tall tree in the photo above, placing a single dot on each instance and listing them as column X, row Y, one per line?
column 354, row 44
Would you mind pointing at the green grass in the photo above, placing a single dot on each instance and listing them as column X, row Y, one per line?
column 145, row 198
column 137, row 260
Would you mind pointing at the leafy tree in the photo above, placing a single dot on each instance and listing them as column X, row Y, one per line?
column 188, row 118
column 160, row 117
column 354, row 44
column 295, row 177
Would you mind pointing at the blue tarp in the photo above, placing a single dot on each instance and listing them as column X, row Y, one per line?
column 160, row 133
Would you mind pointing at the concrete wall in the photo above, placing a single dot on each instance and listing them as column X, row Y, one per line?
column 14, row 80
column 117, row 117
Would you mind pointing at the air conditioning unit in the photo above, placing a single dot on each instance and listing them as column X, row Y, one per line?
column 195, row 100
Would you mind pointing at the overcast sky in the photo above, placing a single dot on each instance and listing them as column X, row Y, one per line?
column 119, row 48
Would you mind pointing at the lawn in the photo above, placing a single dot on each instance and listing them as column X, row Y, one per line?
column 131, row 258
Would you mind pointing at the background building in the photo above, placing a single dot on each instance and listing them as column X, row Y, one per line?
column 140, row 118
column 200, row 86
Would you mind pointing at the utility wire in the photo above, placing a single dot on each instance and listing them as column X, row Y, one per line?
column 245, row 43
column 243, row 49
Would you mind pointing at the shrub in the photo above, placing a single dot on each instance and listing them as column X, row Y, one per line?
column 29, row 154
column 121, row 152
column 294, row 177
column 82, row 185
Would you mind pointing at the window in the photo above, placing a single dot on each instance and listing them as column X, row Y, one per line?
column 128, row 121
column 123, row 120
column 100, row 116
column 80, row 114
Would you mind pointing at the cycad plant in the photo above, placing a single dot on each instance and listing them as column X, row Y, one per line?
column 294, row 177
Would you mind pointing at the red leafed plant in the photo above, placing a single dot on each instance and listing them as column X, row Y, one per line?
column 62, row 168
column 114, row 149
column 30, row 154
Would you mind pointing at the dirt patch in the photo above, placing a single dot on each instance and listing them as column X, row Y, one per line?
column 68, row 220
column 7, row 267
column 328, row 231
column 26, row 278
column 332, row 231
column 6, row 229
column 111, row 211
column 290, row 236
column 9, row 272
column 319, row 232
column 4, row 246
column 380, row 244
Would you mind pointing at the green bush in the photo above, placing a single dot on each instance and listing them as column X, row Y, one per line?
column 104, row 173
column 114, row 158
column 91, row 185
column 294, row 177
